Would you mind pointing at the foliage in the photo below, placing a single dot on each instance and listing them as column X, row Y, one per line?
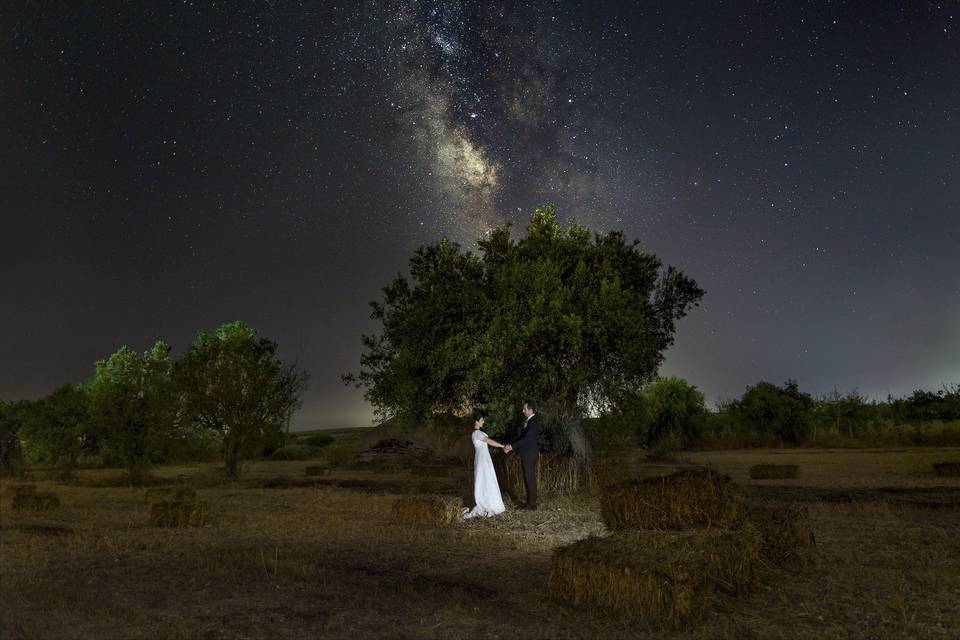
column 672, row 408
column 292, row 452
column 57, row 429
column 233, row 383
column 11, row 454
column 318, row 440
column 574, row 320
column 132, row 401
column 783, row 412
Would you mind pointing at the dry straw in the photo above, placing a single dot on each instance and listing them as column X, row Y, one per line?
column 947, row 469
column 317, row 471
column 785, row 531
column 35, row 501
column 171, row 513
column 556, row 475
column 14, row 490
column 683, row 499
column 662, row 578
column 170, row 494
column 427, row 511
column 774, row 471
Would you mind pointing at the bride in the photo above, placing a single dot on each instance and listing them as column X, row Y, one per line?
column 486, row 491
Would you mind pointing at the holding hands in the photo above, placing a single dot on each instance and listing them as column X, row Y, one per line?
column 507, row 449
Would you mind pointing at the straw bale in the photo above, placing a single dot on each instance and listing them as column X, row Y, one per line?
column 677, row 501
column 662, row 578
column 170, row 494
column 428, row 511
column 35, row 501
column 774, row 471
column 14, row 490
column 170, row 513
column 947, row 469
column 556, row 475
column 317, row 471
column 785, row 530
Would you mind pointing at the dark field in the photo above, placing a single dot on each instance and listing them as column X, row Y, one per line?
column 291, row 556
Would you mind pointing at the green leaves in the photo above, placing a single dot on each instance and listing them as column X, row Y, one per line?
column 560, row 315
column 232, row 382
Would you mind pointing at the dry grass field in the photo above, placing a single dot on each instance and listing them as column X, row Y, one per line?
column 287, row 555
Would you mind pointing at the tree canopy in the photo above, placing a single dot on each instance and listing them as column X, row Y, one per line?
column 233, row 383
column 574, row 319
column 133, row 403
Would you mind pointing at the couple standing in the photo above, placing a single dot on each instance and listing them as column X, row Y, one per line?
column 486, row 490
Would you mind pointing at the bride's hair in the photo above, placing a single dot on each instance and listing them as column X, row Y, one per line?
column 478, row 414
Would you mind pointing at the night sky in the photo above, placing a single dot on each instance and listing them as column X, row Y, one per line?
column 170, row 167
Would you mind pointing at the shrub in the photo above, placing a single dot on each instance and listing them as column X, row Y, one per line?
column 317, row 440
column 291, row 452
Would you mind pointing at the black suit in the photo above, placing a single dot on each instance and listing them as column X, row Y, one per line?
column 527, row 445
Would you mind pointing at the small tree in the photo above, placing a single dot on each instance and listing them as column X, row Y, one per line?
column 674, row 409
column 233, row 383
column 57, row 429
column 132, row 400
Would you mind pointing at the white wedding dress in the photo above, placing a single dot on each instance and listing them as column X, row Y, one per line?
column 486, row 490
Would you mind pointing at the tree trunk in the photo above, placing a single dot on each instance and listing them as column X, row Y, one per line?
column 231, row 457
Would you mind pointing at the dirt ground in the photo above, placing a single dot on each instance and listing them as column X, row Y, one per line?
column 286, row 556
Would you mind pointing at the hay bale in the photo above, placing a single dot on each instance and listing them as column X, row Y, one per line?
column 947, row 469
column 169, row 513
column 317, row 471
column 170, row 494
column 774, row 471
column 662, row 578
column 556, row 475
column 785, row 531
column 35, row 501
column 677, row 501
column 428, row 511
column 14, row 490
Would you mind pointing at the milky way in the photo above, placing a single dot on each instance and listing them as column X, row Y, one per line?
column 166, row 168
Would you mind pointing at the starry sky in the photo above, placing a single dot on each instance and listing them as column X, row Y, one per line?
column 167, row 167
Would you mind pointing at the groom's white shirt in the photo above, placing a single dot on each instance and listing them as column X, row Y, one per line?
column 528, row 420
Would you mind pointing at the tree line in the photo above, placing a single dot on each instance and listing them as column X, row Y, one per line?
column 671, row 413
column 229, row 389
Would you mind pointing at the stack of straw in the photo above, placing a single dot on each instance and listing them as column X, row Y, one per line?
column 176, row 507
column 175, row 513
column 774, row 471
column 25, row 497
column 317, row 471
column 170, row 494
column 556, row 475
column 428, row 511
column 662, row 578
column 947, row 469
column 684, row 499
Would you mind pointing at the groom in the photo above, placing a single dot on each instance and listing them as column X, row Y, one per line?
column 527, row 446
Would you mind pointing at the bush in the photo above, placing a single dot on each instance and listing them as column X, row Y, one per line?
column 317, row 440
column 292, row 452
column 672, row 408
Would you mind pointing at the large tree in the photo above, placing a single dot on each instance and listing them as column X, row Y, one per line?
column 574, row 319
column 133, row 403
column 233, row 383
